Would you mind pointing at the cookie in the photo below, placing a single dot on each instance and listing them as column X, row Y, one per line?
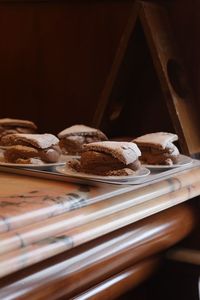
column 41, row 141
column 108, row 158
column 11, row 126
column 73, row 138
column 9, row 122
column 158, row 148
column 158, row 140
column 25, row 146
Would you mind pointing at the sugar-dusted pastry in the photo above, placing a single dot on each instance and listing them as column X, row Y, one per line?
column 108, row 158
column 73, row 138
column 25, row 148
column 157, row 148
column 9, row 126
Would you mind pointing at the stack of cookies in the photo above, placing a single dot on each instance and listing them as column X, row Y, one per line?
column 31, row 148
column 10, row 126
column 108, row 158
column 73, row 138
column 158, row 148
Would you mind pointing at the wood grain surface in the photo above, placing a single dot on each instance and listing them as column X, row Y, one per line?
column 76, row 270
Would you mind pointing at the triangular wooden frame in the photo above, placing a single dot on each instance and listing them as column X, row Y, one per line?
column 169, row 68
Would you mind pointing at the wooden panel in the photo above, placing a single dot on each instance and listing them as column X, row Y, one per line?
column 132, row 95
column 185, row 17
column 18, row 55
column 54, row 57
column 172, row 76
column 117, row 285
column 118, row 102
column 83, row 267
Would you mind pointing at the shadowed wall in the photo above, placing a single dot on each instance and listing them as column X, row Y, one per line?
column 55, row 56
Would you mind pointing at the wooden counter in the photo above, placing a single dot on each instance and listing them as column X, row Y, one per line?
column 53, row 233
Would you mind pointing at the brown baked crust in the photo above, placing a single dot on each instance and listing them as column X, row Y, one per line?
column 9, row 122
column 158, row 148
column 73, row 144
column 30, row 161
column 159, row 159
column 125, row 152
column 157, row 140
column 40, row 141
column 82, row 130
column 104, row 164
column 13, row 126
column 14, row 154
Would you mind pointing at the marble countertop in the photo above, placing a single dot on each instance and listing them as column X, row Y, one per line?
column 41, row 218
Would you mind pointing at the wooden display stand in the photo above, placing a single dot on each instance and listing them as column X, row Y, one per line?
column 153, row 23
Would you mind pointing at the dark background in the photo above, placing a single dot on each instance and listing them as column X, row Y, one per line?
column 55, row 57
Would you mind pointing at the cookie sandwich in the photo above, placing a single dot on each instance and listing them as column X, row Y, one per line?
column 73, row 138
column 31, row 148
column 158, row 148
column 108, row 158
column 10, row 126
